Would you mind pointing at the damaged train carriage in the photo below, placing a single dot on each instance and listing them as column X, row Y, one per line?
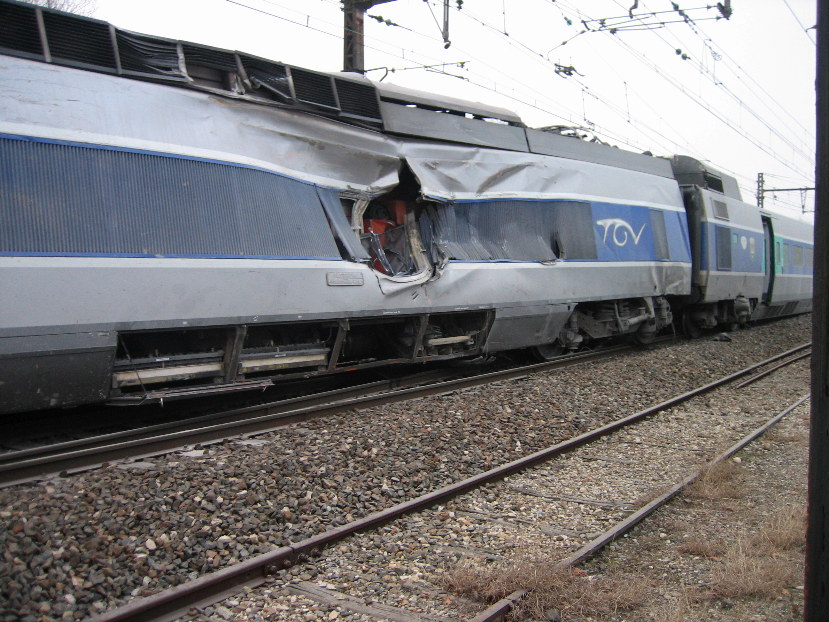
column 241, row 236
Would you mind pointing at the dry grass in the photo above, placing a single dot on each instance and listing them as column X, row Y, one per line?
column 779, row 436
column 723, row 480
column 757, row 565
column 786, row 530
column 742, row 573
column 702, row 547
column 571, row 591
column 680, row 609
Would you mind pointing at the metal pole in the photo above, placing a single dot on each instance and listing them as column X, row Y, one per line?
column 353, row 32
column 817, row 537
column 354, row 14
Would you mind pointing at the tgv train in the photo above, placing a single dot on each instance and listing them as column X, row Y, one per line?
column 181, row 220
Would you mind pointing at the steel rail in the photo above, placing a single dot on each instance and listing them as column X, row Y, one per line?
column 322, row 397
column 499, row 611
column 771, row 370
column 169, row 604
column 27, row 465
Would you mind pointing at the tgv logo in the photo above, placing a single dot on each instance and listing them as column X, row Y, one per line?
column 620, row 231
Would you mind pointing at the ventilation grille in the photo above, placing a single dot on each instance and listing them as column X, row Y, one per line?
column 271, row 76
column 713, row 182
column 209, row 57
column 314, row 88
column 72, row 40
column 357, row 99
column 144, row 55
column 720, row 209
column 19, row 31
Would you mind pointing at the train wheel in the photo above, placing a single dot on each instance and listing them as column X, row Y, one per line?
column 644, row 338
column 548, row 351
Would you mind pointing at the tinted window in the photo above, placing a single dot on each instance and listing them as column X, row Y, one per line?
column 723, row 248
column 660, row 237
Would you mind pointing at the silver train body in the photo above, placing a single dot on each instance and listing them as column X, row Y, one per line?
column 181, row 220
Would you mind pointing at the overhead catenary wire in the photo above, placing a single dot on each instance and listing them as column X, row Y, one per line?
column 709, row 43
column 806, row 155
column 578, row 15
column 799, row 23
column 490, row 78
column 772, row 153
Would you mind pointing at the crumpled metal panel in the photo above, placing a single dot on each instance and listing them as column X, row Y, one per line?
column 150, row 56
column 450, row 172
column 66, row 104
column 509, row 230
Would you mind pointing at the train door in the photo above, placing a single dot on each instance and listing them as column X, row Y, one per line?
column 769, row 259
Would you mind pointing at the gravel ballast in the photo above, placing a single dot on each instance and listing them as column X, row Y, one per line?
column 75, row 546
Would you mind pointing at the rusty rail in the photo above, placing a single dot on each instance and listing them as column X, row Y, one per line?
column 501, row 609
column 169, row 604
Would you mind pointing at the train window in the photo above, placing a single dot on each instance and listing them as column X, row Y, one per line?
column 510, row 230
column 779, row 254
column 797, row 256
column 720, row 209
column 723, row 236
column 713, row 182
column 809, row 258
column 787, row 254
column 660, row 237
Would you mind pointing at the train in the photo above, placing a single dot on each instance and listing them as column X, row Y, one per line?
column 181, row 220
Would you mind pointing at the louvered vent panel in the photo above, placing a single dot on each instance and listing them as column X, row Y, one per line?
column 358, row 99
column 208, row 57
column 314, row 88
column 271, row 76
column 77, row 40
column 149, row 56
column 18, row 29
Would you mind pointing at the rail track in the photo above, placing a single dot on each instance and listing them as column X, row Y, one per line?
column 66, row 457
column 474, row 502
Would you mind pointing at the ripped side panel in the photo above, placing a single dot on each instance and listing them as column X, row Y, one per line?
column 510, row 230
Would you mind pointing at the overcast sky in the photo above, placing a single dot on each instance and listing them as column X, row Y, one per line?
column 738, row 93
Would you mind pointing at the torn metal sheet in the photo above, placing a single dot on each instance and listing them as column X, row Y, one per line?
column 455, row 173
column 194, row 125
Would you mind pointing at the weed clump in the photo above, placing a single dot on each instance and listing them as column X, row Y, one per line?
column 569, row 591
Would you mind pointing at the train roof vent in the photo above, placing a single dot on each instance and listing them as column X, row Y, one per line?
column 359, row 100
column 271, row 76
column 712, row 182
column 720, row 209
column 149, row 56
column 79, row 41
column 209, row 57
column 19, row 31
column 314, row 88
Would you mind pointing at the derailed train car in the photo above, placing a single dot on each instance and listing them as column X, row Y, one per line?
column 182, row 220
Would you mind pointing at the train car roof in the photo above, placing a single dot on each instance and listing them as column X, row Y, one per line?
column 692, row 172
column 60, row 38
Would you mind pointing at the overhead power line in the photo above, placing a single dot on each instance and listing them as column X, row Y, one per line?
column 799, row 23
